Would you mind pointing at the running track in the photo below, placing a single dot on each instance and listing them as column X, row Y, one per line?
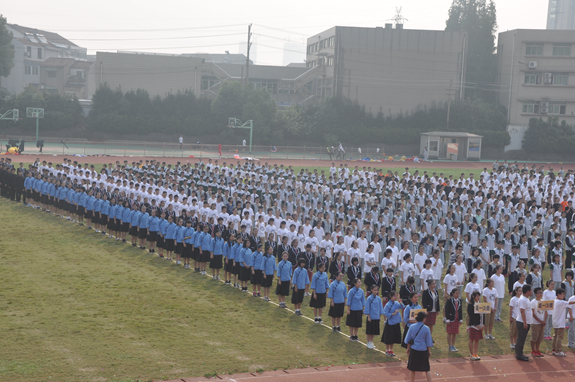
column 491, row 368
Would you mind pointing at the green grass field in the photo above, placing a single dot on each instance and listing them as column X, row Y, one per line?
column 75, row 305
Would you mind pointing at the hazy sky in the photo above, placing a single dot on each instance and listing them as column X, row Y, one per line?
column 215, row 26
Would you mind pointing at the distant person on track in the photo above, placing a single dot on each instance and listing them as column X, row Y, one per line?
column 425, row 154
column 181, row 140
column 244, row 145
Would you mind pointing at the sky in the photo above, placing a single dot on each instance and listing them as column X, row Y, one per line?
column 279, row 29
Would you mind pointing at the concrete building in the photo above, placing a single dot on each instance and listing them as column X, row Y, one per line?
column 536, row 69
column 561, row 14
column 385, row 69
column 67, row 76
column 33, row 47
column 159, row 74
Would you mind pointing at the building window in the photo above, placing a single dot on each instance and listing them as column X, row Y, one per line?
column 35, row 70
column 534, row 49
column 27, row 69
column 331, row 41
column 433, row 145
column 561, row 49
column 560, row 78
column 29, row 51
column 556, row 108
column 51, row 73
column 39, row 53
column 330, row 61
column 530, row 108
column 532, row 79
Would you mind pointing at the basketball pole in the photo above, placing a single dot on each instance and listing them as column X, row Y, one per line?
column 37, row 120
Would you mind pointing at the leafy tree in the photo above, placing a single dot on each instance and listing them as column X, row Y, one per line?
column 548, row 137
column 478, row 18
column 6, row 50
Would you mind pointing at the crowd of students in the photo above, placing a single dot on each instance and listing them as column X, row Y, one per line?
column 441, row 243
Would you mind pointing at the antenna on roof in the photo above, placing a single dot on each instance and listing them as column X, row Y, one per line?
column 398, row 18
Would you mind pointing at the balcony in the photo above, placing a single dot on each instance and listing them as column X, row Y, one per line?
column 75, row 81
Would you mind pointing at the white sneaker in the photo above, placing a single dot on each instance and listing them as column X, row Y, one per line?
column 370, row 345
column 559, row 354
column 512, row 346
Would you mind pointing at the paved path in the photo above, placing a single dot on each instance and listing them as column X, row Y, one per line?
column 491, row 368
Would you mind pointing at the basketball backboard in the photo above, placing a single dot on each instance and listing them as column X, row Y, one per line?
column 34, row 112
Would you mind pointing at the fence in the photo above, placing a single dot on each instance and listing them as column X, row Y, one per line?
column 61, row 146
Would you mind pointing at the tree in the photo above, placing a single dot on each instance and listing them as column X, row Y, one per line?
column 6, row 50
column 477, row 18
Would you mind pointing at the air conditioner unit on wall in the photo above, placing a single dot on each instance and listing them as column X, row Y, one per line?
column 548, row 78
column 27, row 54
column 543, row 107
column 532, row 64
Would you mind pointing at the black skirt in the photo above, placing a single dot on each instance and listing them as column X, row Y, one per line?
column 103, row 219
column 283, row 289
column 257, row 278
column 196, row 254
column 229, row 267
column 133, row 231
column 391, row 334
column 245, row 274
column 237, row 270
column 111, row 224
column 81, row 210
column 267, row 282
column 95, row 217
column 354, row 319
column 160, row 242
column 216, row 262
column 403, row 344
column 204, row 256
column 336, row 311
column 187, row 251
column 143, row 233
column 170, row 244
column 125, row 227
column 89, row 214
column 372, row 327
column 297, row 297
column 318, row 302
column 418, row 360
column 152, row 236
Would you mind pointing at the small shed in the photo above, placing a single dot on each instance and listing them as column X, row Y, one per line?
column 451, row 145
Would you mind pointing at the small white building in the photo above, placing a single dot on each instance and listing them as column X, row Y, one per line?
column 451, row 145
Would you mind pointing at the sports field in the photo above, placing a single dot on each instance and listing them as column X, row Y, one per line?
column 77, row 306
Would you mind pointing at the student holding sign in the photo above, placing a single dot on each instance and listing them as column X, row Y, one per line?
column 523, row 321
column 474, row 326
column 408, row 316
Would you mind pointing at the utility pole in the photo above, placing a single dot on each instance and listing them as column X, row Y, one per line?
column 449, row 93
column 248, row 57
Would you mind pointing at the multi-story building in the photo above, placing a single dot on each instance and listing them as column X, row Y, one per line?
column 388, row 70
column 32, row 48
column 67, row 76
column 561, row 14
column 536, row 69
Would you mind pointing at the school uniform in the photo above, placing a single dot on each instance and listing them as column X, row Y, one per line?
column 408, row 324
column 268, row 268
column 218, row 252
column 171, row 237
column 392, row 329
column 237, row 256
column 356, row 303
column 206, row 246
column 162, row 229
column 229, row 257
column 353, row 272
column 454, row 314
column 338, row 293
column 371, row 279
column 335, row 268
column 404, row 293
column 474, row 320
column 180, row 231
column 387, row 286
column 430, row 301
column 284, row 275
column 247, row 263
column 320, row 284
column 321, row 260
column 188, row 241
column 373, row 310
column 300, row 279
column 419, row 353
column 257, row 275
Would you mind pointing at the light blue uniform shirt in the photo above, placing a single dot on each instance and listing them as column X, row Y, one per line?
column 319, row 282
column 269, row 265
column 423, row 339
column 337, row 291
column 300, row 278
column 390, row 308
column 356, row 299
column 374, row 307
column 284, row 270
column 406, row 314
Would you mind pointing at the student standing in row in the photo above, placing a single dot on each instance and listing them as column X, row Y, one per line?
column 523, row 321
column 268, row 265
column 319, row 286
column 373, row 310
column 539, row 320
column 453, row 318
column 392, row 329
column 355, row 306
column 338, row 295
column 284, row 279
column 474, row 326
column 299, row 282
